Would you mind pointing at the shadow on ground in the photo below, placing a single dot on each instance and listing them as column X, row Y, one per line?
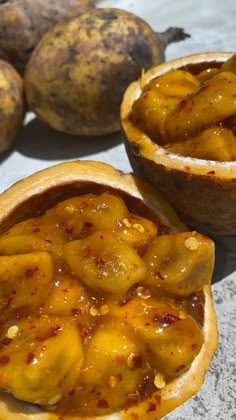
column 38, row 141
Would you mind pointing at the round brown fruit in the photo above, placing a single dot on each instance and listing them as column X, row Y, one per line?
column 77, row 75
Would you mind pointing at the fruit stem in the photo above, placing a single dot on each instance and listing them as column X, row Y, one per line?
column 171, row 35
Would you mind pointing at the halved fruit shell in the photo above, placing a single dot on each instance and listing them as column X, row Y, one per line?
column 40, row 191
column 202, row 192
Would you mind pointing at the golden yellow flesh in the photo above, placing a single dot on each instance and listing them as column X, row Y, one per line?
column 212, row 103
column 99, row 266
column 159, row 98
column 97, row 308
column 194, row 115
column 44, row 359
column 217, row 143
column 178, row 253
column 25, row 279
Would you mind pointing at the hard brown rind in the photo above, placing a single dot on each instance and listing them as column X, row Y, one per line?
column 203, row 192
column 33, row 195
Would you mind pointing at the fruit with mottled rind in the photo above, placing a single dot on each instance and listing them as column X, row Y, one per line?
column 77, row 75
column 24, row 22
column 12, row 109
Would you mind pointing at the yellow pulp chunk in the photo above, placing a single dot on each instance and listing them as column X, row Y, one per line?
column 159, row 98
column 192, row 115
column 67, row 297
column 179, row 264
column 43, row 361
column 87, row 213
column 210, row 104
column 25, row 279
column 216, row 143
column 114, row 364
column 82, row 307
column 207, row 74
column 171, row 336
column 136, row 230
column 105, row 262
column 230, row 64
column 35, row 234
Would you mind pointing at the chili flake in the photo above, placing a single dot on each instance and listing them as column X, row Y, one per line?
column 4, row 360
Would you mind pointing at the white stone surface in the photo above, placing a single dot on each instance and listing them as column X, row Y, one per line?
column 212, row 26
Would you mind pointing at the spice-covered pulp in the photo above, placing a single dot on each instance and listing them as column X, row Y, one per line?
column 98, row 308
column 191, row 114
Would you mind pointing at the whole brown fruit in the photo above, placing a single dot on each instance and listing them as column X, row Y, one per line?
column 77, row 75
column 12, row 108
column 24, row 22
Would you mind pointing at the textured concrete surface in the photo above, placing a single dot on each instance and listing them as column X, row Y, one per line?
column 211, row 24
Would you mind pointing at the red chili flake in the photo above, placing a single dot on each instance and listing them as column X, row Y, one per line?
column 132, row 400
column 135, row 416
column 30, row 271
column 34, row 291
column 66, row 290
column 76, row 311
column 68, row 228
column 188, row 168
column 87, row 252
column 152, row 407
column 83, row 332
column 194, row 346
column 142, row 250
column 182, row 104
column 102, row 404
column 180, row 368
column 71, row 393
column 83, row 205
column 119, row 377
column 124, row 301
column 158, row 399
column 48, row 240
column 88, row 224
column 120, row 359
column 137, row 361
column 86, row 230
column 4, row 360
column 36, row 222
column 211, row 172
column 30, row 357
column 37, row 229
column 100, row 262
column 170, row 318
column 159, row 275
column 166, row 319
column 51, row 332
